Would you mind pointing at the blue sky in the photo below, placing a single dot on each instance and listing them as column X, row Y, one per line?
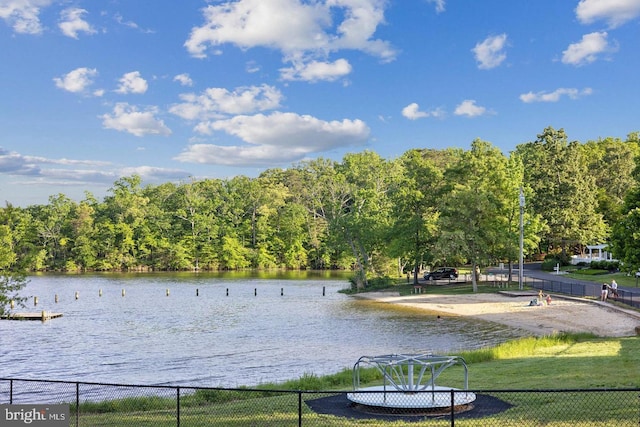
column 93, row 91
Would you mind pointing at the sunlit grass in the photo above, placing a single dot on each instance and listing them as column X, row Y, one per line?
column 560, row 361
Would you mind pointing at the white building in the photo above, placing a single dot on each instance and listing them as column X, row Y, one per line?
column 595, row 253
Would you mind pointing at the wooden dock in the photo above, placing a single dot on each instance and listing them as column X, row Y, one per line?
column 43, row 316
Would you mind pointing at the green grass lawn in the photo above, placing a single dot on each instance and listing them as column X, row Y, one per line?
column 601, row 276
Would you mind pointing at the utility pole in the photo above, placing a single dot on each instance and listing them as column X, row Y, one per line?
column 521, row 263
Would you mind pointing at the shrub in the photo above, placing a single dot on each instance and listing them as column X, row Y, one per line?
column 552, row 259
column 550, row 263
column 610, row 266
column 376, row 283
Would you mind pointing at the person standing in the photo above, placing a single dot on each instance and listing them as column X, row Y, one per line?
column 614, row 289
column 604, row 292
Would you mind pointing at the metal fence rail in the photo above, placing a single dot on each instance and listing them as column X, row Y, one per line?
column 119, row 405
column 626, row 297
column 568, row 287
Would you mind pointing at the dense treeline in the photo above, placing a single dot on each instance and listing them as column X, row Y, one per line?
column 374, row 215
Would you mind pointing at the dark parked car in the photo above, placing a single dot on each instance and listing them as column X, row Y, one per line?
column 441, row 273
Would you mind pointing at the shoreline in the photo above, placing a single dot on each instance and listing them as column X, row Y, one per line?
column 562, row 315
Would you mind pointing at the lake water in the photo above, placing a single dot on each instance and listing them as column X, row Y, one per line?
column 264, row 330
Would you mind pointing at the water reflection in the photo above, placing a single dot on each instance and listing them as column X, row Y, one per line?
column 265, row 330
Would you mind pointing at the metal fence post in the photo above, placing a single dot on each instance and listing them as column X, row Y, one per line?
column 77, row 404
column 453, row 401
column 11, row 392
column 178, row 406
column 299, row 408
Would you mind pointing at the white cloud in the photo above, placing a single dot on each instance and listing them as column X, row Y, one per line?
column 37, row 171
column 132, row 83
column 127, row 118
column 71, row 22
column 66, row 162
column 301, row 30
column 120, row 20
column 13, row 163
column 490, row 52
column 440, row 5
column 469, row 108
column 317, row 70
column 555, row 95
column 23, row 15
column 218, row 102
column 77, row 81
column 278, row 137
column 282, row 24
column 251, row 67
column 184, row 79
column 412, row 112
column 587, row 49
column 155, row 174
column 54, row 176
column 614, row 12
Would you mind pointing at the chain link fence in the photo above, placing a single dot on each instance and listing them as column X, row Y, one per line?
column 117, row 405
column 622, row 296
column 567, row 287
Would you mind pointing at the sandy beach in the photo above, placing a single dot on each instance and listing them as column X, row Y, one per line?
column 562, row 315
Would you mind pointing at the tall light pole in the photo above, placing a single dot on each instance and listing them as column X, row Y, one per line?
column 521, row 264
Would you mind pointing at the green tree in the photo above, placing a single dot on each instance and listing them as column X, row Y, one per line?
column 29, row 254
column 364, row 216
column 121, row 225
column 192, row 208
column 291, row 232
column 53, row 227
column 564, row 192
column 82, row 232
column 233, row 254
column 624, row 241
column 302, row 183
column 11, row 280
column 237, row 223
column 476, row 211
column 286, row 221
column 267, row 202
column 611, row 162
column 415, row 210
column 508, row 247
column 324, row 194
column 158, row 247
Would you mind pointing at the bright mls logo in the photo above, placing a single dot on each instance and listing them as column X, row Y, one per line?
column 34, row 415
